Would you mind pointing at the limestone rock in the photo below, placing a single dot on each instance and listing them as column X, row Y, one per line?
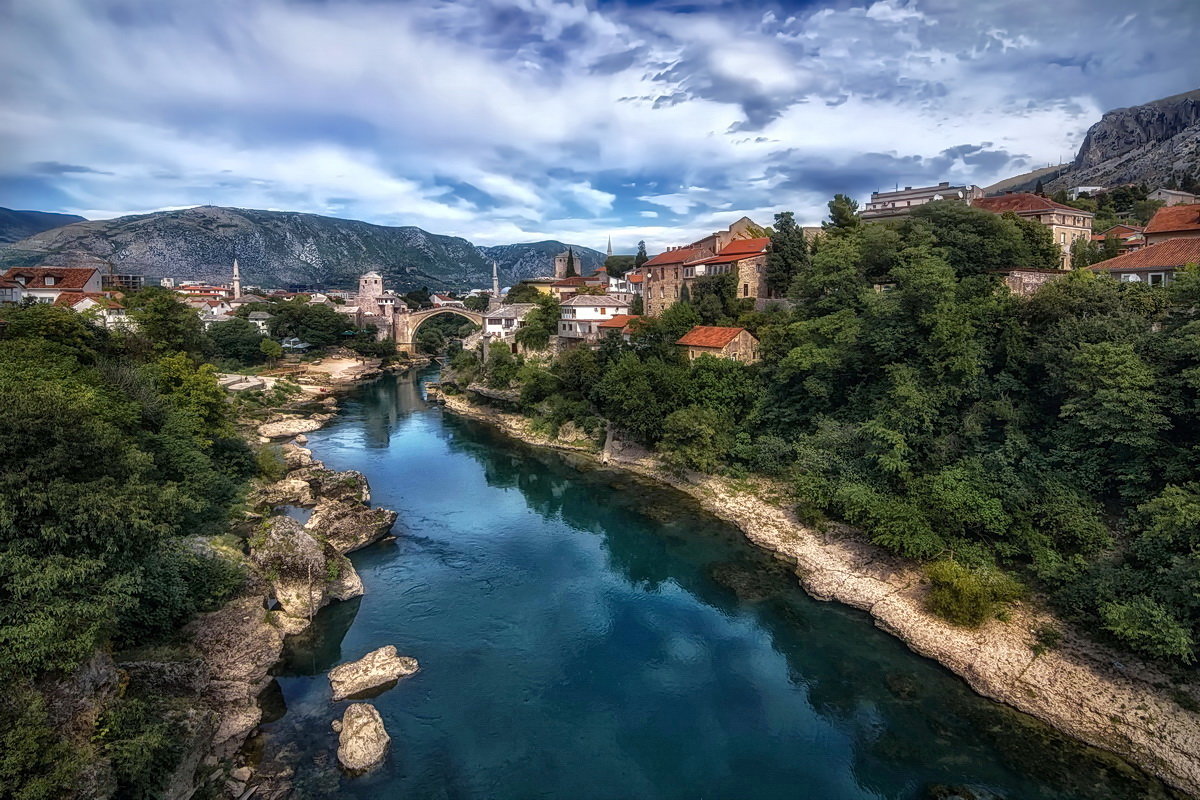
column 289, row 427
column 350, row 526
column 348, row 486
column 289, row 491
column 347, row 585
column 377, row 668
column 296, row 457
column 362, row 740
column 305, row 573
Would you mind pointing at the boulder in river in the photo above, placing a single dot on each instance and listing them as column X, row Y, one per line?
column 348, row 526
column 289, row 427
column 379, row 668
column 362, row 740
column 304, row 572
column 287, row 492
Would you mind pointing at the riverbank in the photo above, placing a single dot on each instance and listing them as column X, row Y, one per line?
column 1107, row 700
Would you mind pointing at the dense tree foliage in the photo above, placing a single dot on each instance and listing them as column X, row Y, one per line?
column 110, row 454
column 1050, row 441
column 540, row 323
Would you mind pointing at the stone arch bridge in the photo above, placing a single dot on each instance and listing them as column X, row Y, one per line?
column 406, row 325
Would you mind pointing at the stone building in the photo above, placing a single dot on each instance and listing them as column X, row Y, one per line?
column 746, row 259
column 1066, row 224
column 1173, row 222
column 375, row 306
column 900, row 203
column 664, row 274
column 1173, row 197
column 735, row 343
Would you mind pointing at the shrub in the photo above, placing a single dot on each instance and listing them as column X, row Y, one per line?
column 144, row 745
column 695, row 438
column 1146, row 626
column 968, row 596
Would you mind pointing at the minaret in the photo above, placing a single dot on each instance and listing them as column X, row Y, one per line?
column 610, row 246
column 495, row 283
column 237, row 279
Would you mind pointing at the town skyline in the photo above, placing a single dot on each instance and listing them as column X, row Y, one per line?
column 504, row 122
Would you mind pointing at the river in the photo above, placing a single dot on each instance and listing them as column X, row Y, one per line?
column 584, row 635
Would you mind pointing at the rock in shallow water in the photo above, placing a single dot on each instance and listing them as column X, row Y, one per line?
column 349, row 526
column 362, row 740
column 376, row 669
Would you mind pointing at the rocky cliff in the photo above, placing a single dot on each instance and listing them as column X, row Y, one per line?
column 1148, row 144
column 16, row 225
column 280, row 249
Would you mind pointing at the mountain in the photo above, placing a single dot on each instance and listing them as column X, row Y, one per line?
column 16, row 225
column 536, row 259
column 275, row 249
column 1149, row 144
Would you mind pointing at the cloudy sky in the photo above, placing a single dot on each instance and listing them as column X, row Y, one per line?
column 516, row 120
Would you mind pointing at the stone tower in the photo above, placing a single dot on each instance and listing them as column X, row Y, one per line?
column 610, row 246
column 370, row 288
column 495, row 283
column 237, row 279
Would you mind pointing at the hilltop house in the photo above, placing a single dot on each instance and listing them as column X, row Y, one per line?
column 735, row 343
column 1066, row 224
column 1173, row 197
column 1155, row 264
column 745, row 259
column 581, row 315
column 1174, row 222
column 45, row 284
column 260, row 320
column 900, row 203
column 665, row 272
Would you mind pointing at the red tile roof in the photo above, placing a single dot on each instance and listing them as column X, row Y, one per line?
column 677, row 256
column 1022, row 201
column 1169, row 254
column 744, row 248
column 635, row 278
column 66, row 278
column 70, row 299
column 1121, row 229
column 619, row 321
column 709, row 336
column 1170, row 219
column 575, row 280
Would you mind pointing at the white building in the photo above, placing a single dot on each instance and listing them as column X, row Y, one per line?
column 900, row 203
column 582, row 313
column 102, row 308
column 505, row 320
column 260, row 320
column 1074, row 192
column 445, row 301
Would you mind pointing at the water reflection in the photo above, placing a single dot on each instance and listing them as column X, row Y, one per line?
column 585, row 635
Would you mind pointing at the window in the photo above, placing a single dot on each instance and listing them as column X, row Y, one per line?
column 1158, row 279
column 745, row 290
column 49, row 280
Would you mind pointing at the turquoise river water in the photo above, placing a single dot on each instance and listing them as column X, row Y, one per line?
column 584, row 635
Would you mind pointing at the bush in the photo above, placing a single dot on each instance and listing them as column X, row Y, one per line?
column 1146, row 626
column 144, row 744
column 695, row 438
column 966, row 596
column 36, row 762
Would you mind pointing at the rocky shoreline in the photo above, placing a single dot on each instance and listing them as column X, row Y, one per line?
column 1108, row 700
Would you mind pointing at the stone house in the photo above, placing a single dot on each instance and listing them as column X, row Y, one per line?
column 746, row 259
column 664, row 274
column 735, row 343
column 582, row 314
column 1155, row 264
column 1173, row 222
column 45, row 284
column 1024, row 281
column 567, row 287
column 901, row 202
column 445, row 301
column 505, row 320
column 1066, row 224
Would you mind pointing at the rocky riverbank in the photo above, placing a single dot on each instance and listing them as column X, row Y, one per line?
column 1103, row 698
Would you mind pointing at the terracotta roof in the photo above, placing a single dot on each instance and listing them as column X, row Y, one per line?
column 709, row 336
column 1023, row 201
column 1169, row 254
column 744, row 248
column 677, row 256
column 1120, row 229
column 1175, row 218
column 71, row 299
column 619, row 321
column 66, row 278
column 574, row 280
column 635, row 278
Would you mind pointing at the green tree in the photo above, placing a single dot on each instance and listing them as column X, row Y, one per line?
column 477, row 302
column 237, row 340
column 843, row 216
column 541, row 323
column 523, row 293
column 641, row 257
column 788, row 256
column 164, row 320
column 695, row 438
column 319, row 325
column 270, row 348
column 571, row 271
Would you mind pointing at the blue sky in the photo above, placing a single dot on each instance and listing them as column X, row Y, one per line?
column 517, row 120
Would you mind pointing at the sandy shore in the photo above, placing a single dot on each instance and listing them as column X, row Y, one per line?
column 1105, row 699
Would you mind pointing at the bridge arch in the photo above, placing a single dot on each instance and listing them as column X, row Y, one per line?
column 406, row 333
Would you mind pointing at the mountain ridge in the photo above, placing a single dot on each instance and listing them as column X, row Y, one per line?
column 283, row 248
column 16, row 225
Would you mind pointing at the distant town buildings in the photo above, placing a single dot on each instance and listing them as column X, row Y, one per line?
column 1174, row 222
column 1129, row 237
column 1066, row 224
column 900, row 203
column 1173, row 197
column 720, row 342
column 1076, row 191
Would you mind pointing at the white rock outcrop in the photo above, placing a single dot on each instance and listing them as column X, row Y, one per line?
column 376, row 669
column 362, row 740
